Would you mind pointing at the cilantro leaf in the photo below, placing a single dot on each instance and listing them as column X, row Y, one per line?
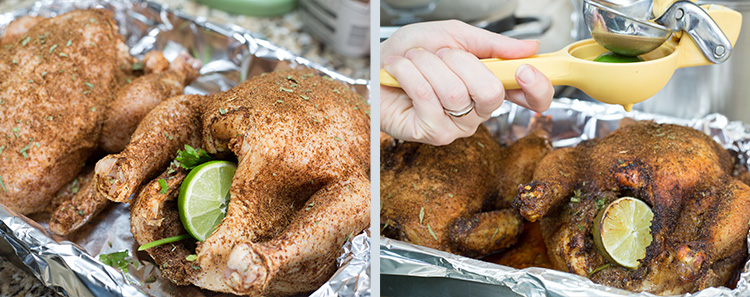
column 191, row 157
column 137, row 66
column 163, row 185
column 116, row 259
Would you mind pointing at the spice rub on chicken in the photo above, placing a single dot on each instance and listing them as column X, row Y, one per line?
column 68, row 87
column 456, row 198
column 701, row 211
column 300, row 190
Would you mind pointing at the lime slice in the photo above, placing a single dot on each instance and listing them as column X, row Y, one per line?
column 610, row 57
column 622, row 231
column 204, row 196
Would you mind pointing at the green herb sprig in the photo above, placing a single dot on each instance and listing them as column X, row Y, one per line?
column 192, row 157
column 117, row 260
column 164, row 241
column 163, row 185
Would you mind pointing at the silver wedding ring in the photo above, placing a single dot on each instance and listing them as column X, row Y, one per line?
column 462, row 112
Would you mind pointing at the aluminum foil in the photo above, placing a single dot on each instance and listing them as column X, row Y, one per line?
column 404, row 265
column 230, row 54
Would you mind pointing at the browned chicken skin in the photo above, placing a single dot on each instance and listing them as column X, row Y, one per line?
column 64, row 92
column 453, row 197
column 301, row 186
column 701, row 212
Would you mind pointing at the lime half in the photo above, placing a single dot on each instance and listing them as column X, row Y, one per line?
column 610, row 57
column 204, row 197
column 622, row 231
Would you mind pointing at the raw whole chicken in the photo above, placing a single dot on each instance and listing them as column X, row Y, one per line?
column 67, row 88
column 300, row 190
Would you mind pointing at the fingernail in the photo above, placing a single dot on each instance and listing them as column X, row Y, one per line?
column 410, row 53
column 441, row 52
column 390, row 59
column 525, row 74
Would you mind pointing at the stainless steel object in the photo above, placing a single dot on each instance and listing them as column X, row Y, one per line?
column 621, row 33
column 637, row 9
column 626, row 28
column 724, row 88
column 696, row 91
column 691, row 18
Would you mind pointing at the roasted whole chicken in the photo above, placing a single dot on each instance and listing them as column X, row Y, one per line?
column 701, row 211
column 456, row 198
column 300, row 190
column 68, row 86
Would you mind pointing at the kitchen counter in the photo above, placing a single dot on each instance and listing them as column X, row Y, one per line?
column 16, row 282
column 285, row 31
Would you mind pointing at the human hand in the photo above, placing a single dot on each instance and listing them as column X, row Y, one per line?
column 437, row 65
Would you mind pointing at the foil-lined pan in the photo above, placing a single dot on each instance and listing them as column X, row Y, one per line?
column 230, row 54
column 410, row 270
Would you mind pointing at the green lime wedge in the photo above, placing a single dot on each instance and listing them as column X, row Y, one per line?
column 610, row 57
column 204, row 197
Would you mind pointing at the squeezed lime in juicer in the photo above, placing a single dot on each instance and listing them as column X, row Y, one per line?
column 711, row 36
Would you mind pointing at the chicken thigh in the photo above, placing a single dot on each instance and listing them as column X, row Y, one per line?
column 456, row 198
column 701, row 211
column 300, row 190
column 64, row 90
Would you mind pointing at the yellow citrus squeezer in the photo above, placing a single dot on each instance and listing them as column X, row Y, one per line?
column 614, row 83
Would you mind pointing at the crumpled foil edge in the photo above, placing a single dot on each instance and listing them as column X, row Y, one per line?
column 46, row 256
column 575, row 121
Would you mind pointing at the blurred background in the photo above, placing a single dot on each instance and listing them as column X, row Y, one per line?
column 333, row 33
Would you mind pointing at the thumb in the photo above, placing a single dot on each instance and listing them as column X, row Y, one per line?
column 486, row 44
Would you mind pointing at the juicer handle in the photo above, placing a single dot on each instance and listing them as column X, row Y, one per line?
column 691, row 18
column 553, row 65
column 661, row 6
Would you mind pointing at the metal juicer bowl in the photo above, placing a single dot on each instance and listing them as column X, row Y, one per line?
column 621, row 33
